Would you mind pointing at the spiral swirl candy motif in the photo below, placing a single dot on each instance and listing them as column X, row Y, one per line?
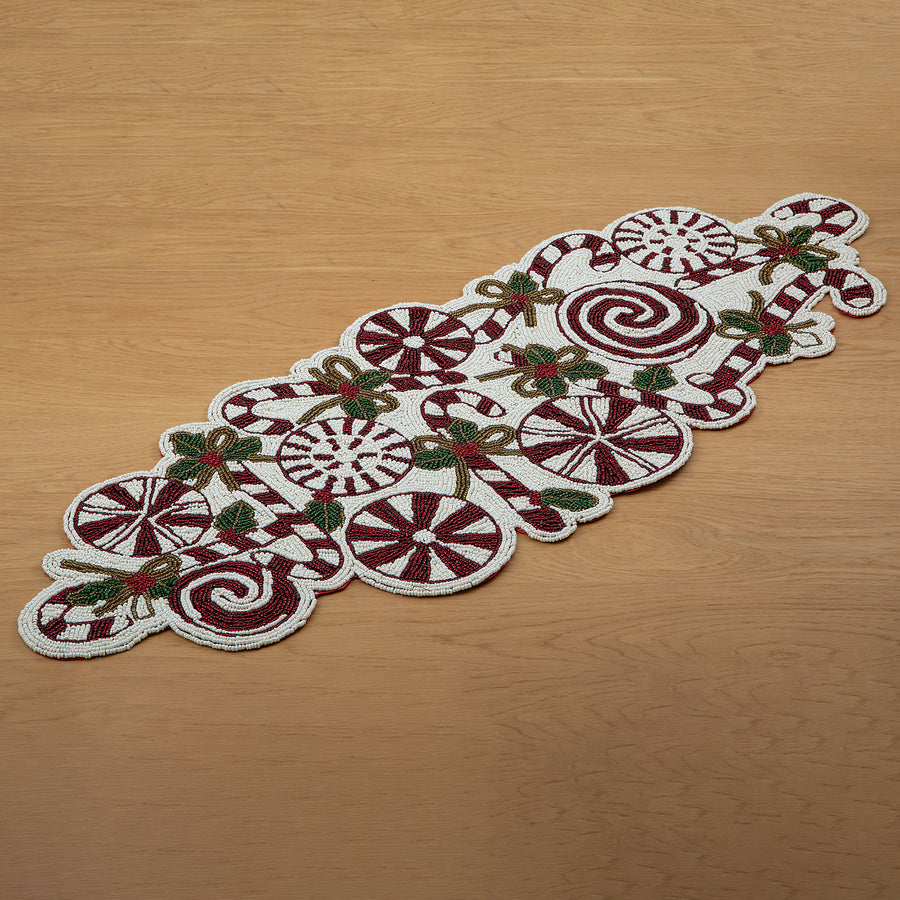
column 635, row 322
column 674, row 240
column 237, row 605
column 345, row 456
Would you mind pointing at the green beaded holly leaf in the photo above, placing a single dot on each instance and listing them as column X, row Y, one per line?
column 360, row 408
column 521, row 283
column 434, row 459
column 563, row 498
column 775, row 344
column 239, row 518
column 463, row 431
column 325, row 514
column 775, row 338
column 371, row 379
column 97, row 591
column 208, row 455
column 547, row 372
column 742, row 321
column 654, row 378
column 189, row 444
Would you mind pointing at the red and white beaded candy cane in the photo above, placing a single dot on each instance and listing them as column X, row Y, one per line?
column 545, row 522
column 603, row 256
column 272, row 407
column 58, row 627
column 239, row 409
column 827, row 216
column 326, row 558
column 730, row 399
column 853, row 290
column 832, row 217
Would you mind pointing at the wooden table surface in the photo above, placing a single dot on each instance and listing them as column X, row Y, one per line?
column 695, row 697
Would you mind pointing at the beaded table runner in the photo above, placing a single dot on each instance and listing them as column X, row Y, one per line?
column 411, row 454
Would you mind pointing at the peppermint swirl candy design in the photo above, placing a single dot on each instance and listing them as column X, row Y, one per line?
column 237, row 605
column 141, row 516
column 635, row 322
column 613, row 441
column 674, row 240
column 425, row 543
column 414, row 340
column 345, row 456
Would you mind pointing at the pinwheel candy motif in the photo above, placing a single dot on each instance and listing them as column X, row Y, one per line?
column 412, row 454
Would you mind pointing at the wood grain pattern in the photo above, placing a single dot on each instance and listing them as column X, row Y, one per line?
column 692, row 699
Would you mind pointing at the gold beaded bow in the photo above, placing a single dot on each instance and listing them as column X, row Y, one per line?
column 774, row 338
column 790, row 247
column 547, row 371
column 206, row 455
column 466, row 443
column 154, row 579
column 355, row 389
column 518, row 295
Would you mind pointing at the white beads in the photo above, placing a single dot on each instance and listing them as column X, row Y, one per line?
column 410, row 455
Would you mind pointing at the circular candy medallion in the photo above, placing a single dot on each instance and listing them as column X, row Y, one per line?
column 239, row 605
column 634, row 322
column 610, row 441
column 140, row 515
column 345, row 456
column 425, row 543
column 674, row 240
column 414, row 340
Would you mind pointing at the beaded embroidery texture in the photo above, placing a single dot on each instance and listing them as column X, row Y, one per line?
column 411, row 454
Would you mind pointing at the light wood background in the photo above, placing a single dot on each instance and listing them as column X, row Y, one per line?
column 693, row 698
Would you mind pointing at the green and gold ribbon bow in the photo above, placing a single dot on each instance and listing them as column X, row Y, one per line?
column 775, row 339
column 790, row 247
column 465, row 445
column 154, row 579
column 355, row 389
column 206, row 455
column 547, row 371
column 518, row 295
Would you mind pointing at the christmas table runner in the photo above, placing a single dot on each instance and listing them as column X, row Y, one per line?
column 412, row 454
